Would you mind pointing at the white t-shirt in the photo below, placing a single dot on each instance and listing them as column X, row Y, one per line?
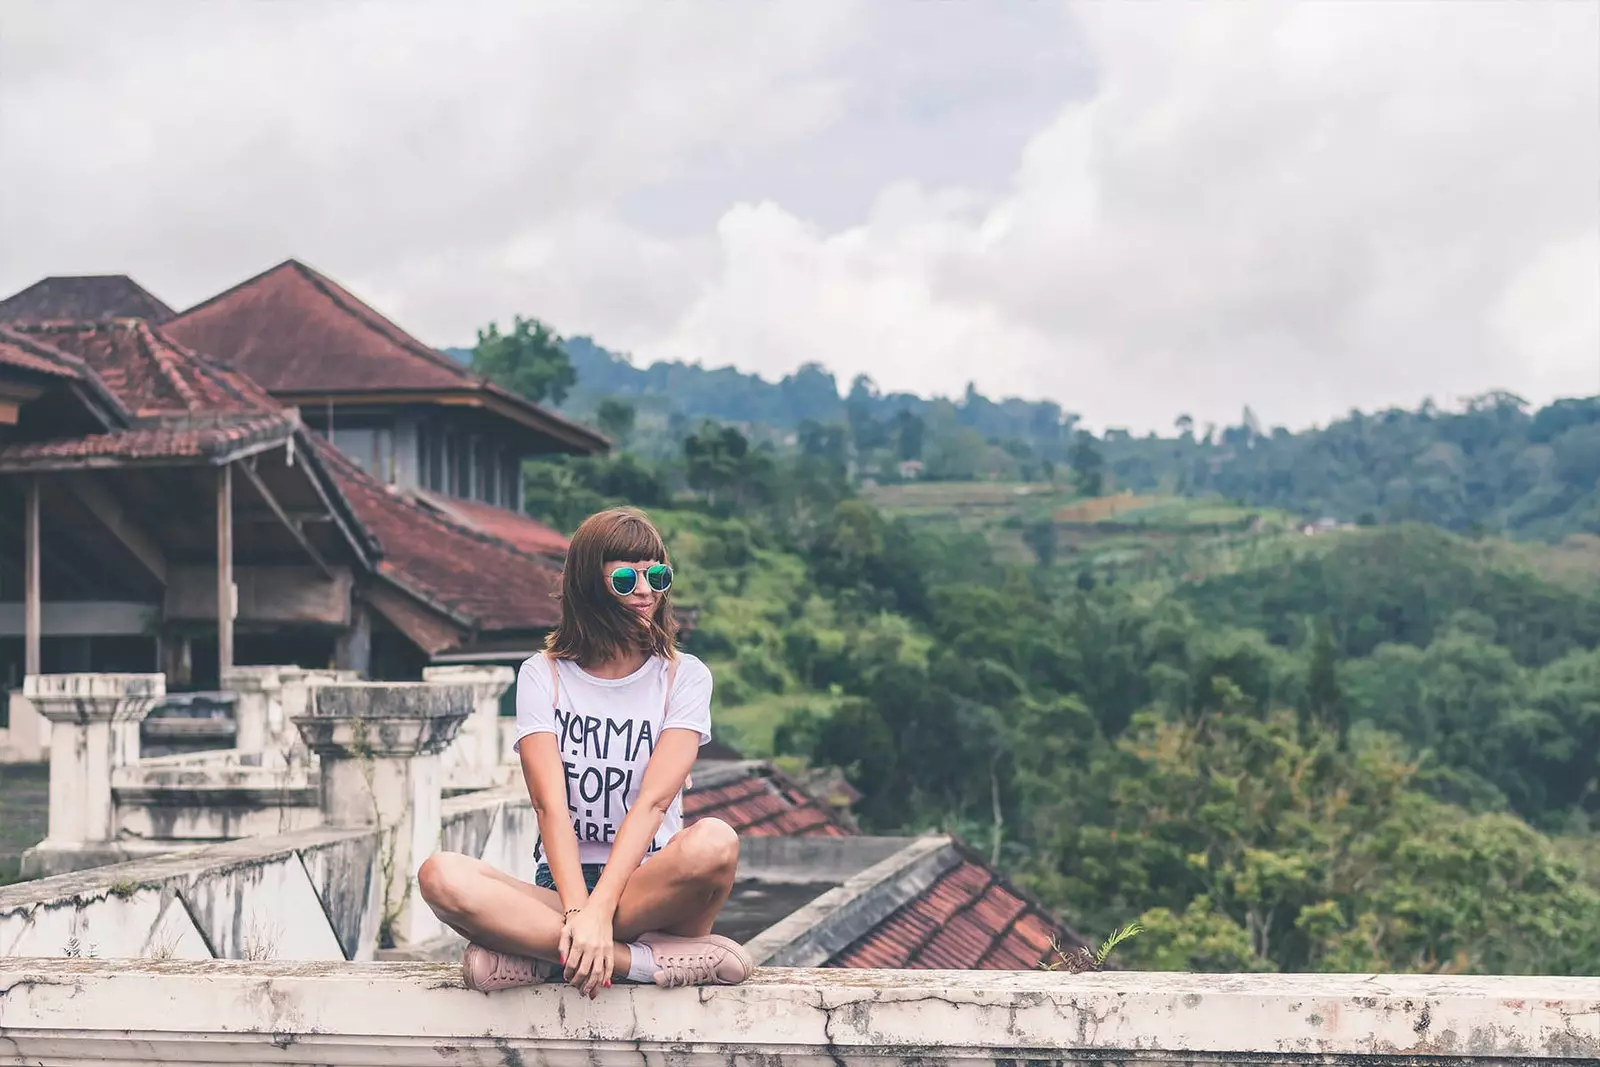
column 607, row 729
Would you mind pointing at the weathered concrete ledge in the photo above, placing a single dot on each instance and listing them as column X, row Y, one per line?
column 76, row 1011
column 311, row 895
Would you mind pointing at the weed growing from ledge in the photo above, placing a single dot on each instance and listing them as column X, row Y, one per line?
column 388, row 838
column 261, row 943
column 124, row 888
column 1081, row 959
column 165, row 945
column 75, row 949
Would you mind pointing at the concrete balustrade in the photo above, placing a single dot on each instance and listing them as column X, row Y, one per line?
column 378, row 747
column 268, row 700
column 108, row 805
column 258, row 708
column 474, row 760
column 74, row 1011
column 94, row 731
column 28, row 733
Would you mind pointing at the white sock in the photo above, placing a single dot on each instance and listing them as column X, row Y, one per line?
column 641, row 963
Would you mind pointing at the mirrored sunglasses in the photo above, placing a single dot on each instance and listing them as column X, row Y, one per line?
column 624, row 580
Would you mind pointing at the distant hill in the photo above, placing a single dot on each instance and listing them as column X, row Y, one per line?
column 1495, row 466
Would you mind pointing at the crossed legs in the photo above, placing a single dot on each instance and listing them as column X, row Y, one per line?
column 680, row 891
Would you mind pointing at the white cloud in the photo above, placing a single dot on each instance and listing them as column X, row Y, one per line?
column 1303, row 207
column 195, row 143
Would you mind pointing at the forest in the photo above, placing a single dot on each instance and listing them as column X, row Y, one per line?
column 1489, row 464
column 1123, row 669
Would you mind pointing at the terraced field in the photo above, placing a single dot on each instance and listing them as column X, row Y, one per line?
column 1124, row 531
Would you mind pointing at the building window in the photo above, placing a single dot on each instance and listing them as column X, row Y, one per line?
column 383, row 455
column 480, row 469
column 511, row 472
column 436, row 463
column 360, row 445
column 491, row 476
column 424, row 438
column 463, row 477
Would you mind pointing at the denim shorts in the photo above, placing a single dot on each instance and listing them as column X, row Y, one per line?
column 591, row 875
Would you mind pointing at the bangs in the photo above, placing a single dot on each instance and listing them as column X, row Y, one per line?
column 631, row 538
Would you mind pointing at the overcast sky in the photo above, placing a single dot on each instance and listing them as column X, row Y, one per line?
column 1137, row 210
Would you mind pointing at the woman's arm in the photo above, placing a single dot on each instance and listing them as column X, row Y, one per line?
column 588, row 934
column 664, row 775
column 546, row 778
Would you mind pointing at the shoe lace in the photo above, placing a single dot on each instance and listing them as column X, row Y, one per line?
column 689, row 968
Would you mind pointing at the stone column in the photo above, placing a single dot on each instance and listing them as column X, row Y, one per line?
column 378, row 744
column 472, row 760
column 94, row 728
column 257, row 707
column 30, row 731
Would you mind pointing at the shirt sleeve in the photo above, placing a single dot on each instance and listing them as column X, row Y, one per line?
column 534, row 714
column 689, row 706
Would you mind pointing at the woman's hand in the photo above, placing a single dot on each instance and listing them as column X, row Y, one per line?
column 586, row 948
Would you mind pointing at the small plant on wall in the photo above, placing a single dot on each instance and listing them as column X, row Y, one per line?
column 1083, row 959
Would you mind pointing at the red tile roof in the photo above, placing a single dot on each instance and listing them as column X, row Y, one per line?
column 180, row 405
column 478, row 580
column 149, row 444
column 149, row 373
column 26, row 353
column 764, row 804
column 462, row 582
column 85, row 298
column 297, row 331
column 525, row 533
column 969, row 919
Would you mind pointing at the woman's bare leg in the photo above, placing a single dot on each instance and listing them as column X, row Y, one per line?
column 491, row 908
column 683, row 887
column 680, row 891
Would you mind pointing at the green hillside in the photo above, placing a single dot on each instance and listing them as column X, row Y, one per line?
column 1363, row 748
column 1290, row 700
column 1495, row 465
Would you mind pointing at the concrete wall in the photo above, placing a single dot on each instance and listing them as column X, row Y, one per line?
column 307, row 895
column 79, row 1011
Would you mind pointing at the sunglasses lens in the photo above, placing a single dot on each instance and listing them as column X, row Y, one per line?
column 659, row 577
column 623, row 579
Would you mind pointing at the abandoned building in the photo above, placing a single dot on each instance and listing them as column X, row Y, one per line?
column 153, row 468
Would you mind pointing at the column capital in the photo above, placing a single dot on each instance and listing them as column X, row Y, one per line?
column 489, row 682
column 391, row 720
column 266, row 679
column 86, row 698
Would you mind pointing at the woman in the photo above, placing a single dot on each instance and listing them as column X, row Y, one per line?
column 609, row 720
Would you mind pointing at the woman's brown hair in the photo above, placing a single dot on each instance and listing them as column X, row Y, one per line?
column 595, row 626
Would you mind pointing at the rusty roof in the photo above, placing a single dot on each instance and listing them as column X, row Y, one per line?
column 970, row 918
column 149, row 373
column 477, row 580
column 519, row 530
column 83, row 298
column 296, row 331
column 152, row 444
column 758, row 800
column 24, row 352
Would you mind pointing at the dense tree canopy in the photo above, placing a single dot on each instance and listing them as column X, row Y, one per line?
column 1373, row 749
column 1494, row 465
column 1346, row 758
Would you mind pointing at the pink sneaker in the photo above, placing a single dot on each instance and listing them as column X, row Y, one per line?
column 486, row 970
column 708, row 960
